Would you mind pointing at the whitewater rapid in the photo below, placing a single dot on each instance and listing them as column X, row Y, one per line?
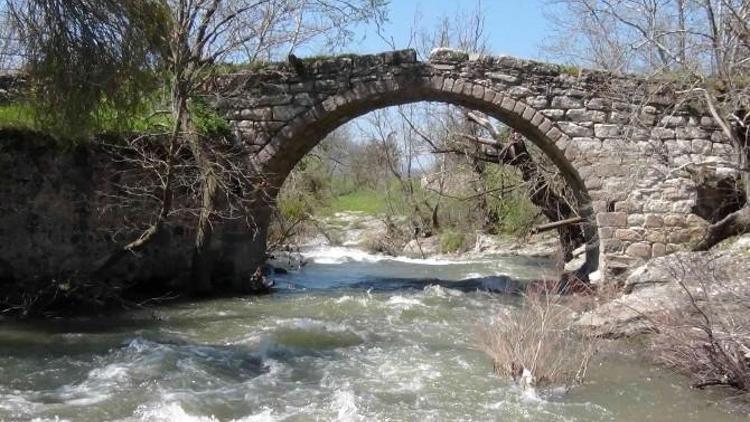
column 348, row 337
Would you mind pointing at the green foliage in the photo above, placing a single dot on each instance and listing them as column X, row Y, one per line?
column 323, row 57
column 569, row 70
column 517, row 215
column 207, row 121
column 515, row 210
column 452, row 241
column 295, row 207
column 17, row 116
column 91, row 62
column 106, row 119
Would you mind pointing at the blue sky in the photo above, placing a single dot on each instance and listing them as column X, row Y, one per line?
column 513, row 27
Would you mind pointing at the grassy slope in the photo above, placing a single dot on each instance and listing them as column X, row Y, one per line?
column 368, row 202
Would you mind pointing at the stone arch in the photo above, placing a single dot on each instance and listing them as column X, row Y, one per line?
column 309, row 125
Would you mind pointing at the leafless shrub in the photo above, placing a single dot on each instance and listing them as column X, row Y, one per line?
column 708, row 338
column 536, row 344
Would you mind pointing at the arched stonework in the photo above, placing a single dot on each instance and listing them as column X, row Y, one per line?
column 616, row 140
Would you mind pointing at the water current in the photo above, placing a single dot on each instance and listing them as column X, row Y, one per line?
column 348, row 337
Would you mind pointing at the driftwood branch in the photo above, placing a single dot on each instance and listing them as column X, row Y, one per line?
column 555, row 224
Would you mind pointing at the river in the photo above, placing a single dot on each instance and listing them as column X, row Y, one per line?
column 348, row 337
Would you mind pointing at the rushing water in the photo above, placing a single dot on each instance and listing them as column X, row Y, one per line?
column 349, row 337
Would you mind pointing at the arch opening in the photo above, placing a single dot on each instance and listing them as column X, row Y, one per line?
column 302, row 133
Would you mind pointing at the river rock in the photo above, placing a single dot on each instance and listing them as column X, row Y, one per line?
column 628, row 315
column 422, row 248
column 654, row 288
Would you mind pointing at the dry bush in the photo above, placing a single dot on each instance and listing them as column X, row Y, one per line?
column 707, row 336
column 536, row 344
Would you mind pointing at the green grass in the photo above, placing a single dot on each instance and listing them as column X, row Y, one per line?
column 570, row 70
column 369, row 202
column 108, row 120
column 17, row 116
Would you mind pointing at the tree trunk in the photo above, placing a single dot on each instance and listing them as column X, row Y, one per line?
column 165, row 207
column 553, row 205
column 200, row 282
column 513, row 152
column 202, row 260
column 734, row 224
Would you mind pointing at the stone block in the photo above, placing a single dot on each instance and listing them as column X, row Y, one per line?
column 286, row 113
column 508, row 103
column 528, row 114
column 658, row 249
column 679, row 236
column 611, row 245
column 554, row 134
column 639, row 250
column 636, row 220
column 607, row 131
column 584, row 115
column 628, row 235
column 538, row 102
column 674, row 220
column 612, row 219
column 627, row 206
column 662, row 133
column 261, row 113
column 566, row 102
column 683, row 207
column 537, row 119
column 691, row 132
column 655, row 236
column 657, row 206
column 502, row 77
column 606, row 233
column 701, row 146
column 478, row 91
column 519, row 92
column 597, row 104
column 694, row 220
column 588, row 145
column 673, row 121
column 554, row 113
column 574, row 130
column 653, row 221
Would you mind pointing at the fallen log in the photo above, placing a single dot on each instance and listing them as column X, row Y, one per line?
column 734, row 224
column 555, row 224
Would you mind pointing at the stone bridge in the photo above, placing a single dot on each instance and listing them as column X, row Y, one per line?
column 620, row 142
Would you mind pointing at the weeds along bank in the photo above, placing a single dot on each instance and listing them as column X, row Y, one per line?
column 687, row 311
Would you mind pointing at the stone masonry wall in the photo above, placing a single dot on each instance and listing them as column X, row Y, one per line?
column 619, row 140
column 58, row 217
